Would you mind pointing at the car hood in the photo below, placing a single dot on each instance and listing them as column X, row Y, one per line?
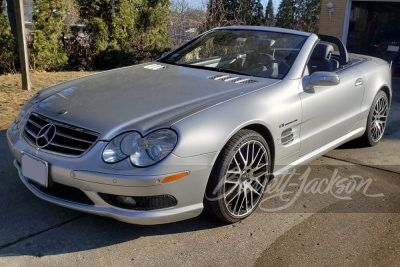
column 137, row 98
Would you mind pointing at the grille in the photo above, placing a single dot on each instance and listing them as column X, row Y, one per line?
column 227, row 78
column 65, row 139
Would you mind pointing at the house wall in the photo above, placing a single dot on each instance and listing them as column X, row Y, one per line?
column 339, row 22
column 332, row 27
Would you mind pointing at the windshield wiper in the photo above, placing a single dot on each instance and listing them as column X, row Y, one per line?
column 214, row 69
column 192, row 66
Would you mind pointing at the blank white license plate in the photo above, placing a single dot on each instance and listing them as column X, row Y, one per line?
column 393, row 48
column 34, row 169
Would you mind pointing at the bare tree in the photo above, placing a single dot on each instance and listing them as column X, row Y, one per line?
column 221, row 13
column 185, row 22
column 235, row 12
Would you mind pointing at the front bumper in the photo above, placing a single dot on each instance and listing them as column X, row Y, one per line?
column 92, row 176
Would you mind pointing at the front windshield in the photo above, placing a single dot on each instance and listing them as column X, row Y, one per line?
column 255, row 53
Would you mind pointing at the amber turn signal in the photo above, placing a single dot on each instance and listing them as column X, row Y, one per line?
column 174, row 177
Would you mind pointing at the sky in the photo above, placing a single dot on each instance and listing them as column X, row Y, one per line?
column 200, row 3
column 276, row 3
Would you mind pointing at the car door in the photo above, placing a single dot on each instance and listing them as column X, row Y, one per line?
column 330, row 112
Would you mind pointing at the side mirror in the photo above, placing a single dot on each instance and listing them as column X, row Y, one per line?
column 322, row 78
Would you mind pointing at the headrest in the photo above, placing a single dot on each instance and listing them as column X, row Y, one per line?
column 261, row 44
column 322, row 51
column 267, row 42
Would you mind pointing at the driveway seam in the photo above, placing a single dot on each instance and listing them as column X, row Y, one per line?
column 364, row 165
column 41, row 232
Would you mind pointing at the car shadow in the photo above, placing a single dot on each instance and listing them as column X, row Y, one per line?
column 31, row 226
column 89, row 232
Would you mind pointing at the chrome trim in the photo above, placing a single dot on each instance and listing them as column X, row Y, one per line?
column 220, row 77
column 72, row 137
column 65, row 125
column 286, row 136
column 44, row 133
column 155, row 67
column 242, row 81
column 288, row 142
column 344, row 68
column 68, row 147
column 31, row 133
column 232, row 79
column 227, row 78
column 35, row 124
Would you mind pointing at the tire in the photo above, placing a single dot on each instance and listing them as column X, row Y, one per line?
column 239, row 177
column 377, row 120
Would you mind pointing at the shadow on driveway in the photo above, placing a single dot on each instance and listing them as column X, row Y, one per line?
column 31, row 226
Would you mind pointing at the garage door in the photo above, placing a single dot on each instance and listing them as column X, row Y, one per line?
column 374, row 29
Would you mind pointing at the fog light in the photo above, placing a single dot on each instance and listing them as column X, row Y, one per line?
column 140, row 203
column 126, row 200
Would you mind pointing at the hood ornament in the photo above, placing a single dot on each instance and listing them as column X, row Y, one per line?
column 62, row 112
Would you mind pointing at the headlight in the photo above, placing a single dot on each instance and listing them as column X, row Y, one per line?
column 143, row 151
column 25, row 109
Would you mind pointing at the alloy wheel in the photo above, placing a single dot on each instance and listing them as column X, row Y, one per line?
column 379, row 118
column 246, row 178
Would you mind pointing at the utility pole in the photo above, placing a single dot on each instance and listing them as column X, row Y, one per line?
column 22, row 44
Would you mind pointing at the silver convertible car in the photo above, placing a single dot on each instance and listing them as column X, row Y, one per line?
column 206, row 127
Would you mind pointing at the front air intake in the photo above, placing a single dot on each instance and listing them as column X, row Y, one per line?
column 140, row 203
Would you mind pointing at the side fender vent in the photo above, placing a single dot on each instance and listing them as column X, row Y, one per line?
column 154, row 67
column 287, row 137
column 227, row 78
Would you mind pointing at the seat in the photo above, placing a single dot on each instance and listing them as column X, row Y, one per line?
column 270, row 71
column 261, row 57
column 335, row 64
column 320, row 59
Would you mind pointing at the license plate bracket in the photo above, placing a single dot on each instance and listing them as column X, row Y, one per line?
column 35, row 169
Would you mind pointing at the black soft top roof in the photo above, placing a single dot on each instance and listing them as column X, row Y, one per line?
column 344, row 56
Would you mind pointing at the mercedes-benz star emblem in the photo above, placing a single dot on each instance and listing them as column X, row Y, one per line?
column 46, row 135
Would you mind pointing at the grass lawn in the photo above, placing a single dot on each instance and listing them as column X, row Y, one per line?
column 12, row 97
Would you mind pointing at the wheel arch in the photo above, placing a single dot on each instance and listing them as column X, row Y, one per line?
column 388, row 93
column 258, row 128
column 266, row 134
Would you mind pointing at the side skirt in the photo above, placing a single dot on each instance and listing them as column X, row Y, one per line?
column 319, row 152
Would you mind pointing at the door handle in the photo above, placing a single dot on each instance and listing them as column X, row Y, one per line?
column 359, row 82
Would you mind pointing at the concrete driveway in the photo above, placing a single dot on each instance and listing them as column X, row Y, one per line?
column 348, row 227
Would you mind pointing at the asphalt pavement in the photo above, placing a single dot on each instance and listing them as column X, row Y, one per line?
column 354, row 222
